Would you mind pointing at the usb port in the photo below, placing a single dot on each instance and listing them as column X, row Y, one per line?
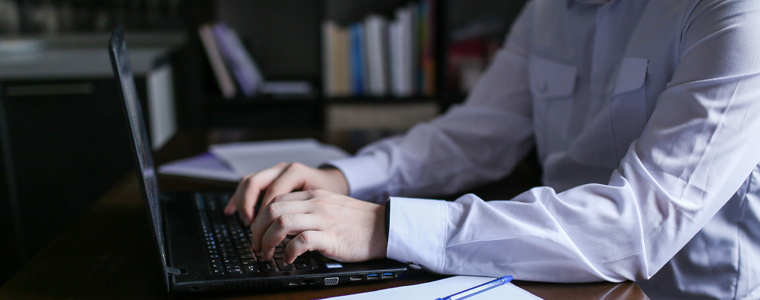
column 355, row 278
column 387, row 275
column 373, row 277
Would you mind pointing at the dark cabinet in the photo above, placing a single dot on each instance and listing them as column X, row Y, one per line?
column 63, row 146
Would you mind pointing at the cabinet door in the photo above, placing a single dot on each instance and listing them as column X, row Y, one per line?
column 67, row 144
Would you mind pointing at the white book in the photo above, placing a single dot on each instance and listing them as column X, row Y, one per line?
column 222, row 74
column 377, row 57
column 396, row 62
column 405, row 19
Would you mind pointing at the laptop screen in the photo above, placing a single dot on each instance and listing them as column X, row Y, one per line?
column 144, row 159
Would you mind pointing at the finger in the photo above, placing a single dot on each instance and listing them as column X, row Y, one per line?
column 269, row 214
column 287, row 225
column 231, row 206
column 249, row 195
column 291, row 179
column 307, row 241
column 298, row 196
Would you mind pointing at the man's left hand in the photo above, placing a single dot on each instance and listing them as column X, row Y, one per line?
column 339, row 227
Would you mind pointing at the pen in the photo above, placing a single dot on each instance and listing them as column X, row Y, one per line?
column 478, row 289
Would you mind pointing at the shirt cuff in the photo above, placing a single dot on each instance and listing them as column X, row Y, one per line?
column 364, row 174
column 413, row 241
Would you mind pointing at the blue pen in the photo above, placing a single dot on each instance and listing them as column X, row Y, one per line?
column 478, row 289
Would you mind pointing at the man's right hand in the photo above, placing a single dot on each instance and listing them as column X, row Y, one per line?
column 278, row 180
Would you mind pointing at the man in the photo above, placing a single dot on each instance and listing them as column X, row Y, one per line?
column 645, row 117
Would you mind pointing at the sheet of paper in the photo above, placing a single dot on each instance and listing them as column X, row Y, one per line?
column 245, row 158
column 205, row 166
column 230, row 162
column 444, row 287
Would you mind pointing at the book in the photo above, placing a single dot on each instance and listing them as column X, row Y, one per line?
column 377, row 54
column 239, row 61
column 407, row 49
column 335, row 60
column 427, row 53
column 221, row 73
column 358, row 59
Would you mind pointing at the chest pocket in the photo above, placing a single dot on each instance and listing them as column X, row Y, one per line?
column 628, row 106
column 552, row 87
column 619, row 123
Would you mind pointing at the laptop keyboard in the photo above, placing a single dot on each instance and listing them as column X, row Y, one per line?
column 228, row 242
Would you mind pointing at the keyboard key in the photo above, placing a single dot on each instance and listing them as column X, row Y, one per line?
column 251, row 269
column 217, row 271
column 248, row 261
column 231, row 260
column 284, row 266
column 268, row 266
column 235, row 271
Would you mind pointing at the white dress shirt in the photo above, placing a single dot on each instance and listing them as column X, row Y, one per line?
column 646, row 118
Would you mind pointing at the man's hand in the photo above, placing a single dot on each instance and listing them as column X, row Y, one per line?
column 278, row 180
column 337, row 226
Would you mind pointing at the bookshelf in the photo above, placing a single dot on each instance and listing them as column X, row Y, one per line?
column 285, row 39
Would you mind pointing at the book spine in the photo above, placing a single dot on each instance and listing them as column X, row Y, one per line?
column 222, row 75
column 357, row 61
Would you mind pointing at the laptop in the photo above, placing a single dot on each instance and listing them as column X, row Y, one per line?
column 203, row 250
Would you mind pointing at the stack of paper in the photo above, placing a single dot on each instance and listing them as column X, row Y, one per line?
column 230, row 162
column 445, row 287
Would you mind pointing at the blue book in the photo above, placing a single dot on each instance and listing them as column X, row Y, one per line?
column 357, row 59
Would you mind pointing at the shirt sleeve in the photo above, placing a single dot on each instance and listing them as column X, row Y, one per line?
column 479, row 141
column 698, row 147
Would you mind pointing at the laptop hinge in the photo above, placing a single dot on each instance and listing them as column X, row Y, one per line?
column 173, row 271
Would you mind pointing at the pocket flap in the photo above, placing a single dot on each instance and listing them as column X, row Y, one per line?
column 551, row 79
column 633, row 71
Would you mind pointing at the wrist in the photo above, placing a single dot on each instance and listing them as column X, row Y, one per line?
column 337, row 180
column 380, row 236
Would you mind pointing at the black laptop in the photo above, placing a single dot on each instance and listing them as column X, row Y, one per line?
column 200, row 248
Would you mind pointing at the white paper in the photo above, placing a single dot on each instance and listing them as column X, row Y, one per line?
column 205, row 166
column 444, row 287
column 230, row 162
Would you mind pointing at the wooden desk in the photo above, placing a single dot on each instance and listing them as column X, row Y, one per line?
column 109, row 253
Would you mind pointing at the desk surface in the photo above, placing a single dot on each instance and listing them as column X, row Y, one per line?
column 108, row 253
